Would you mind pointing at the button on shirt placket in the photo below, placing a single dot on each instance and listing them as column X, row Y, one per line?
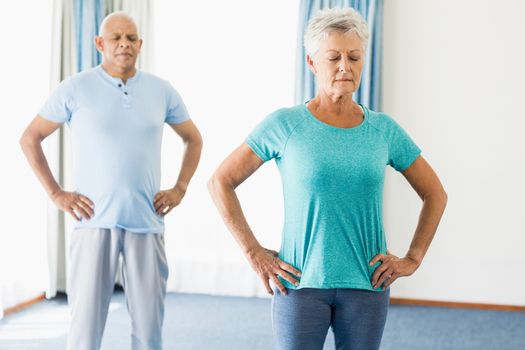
column 126, row 101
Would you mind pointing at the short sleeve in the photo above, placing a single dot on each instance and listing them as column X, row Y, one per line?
column 402, row 149
column 176, row 112
column 268, row 138
column 60, row 104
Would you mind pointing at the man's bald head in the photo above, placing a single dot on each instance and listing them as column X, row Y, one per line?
column 119, row 16
column 119, row 44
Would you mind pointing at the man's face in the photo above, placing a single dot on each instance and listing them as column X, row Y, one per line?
column 119, row 44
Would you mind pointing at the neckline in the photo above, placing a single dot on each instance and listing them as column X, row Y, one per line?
column 115, row 80
column 336, row 128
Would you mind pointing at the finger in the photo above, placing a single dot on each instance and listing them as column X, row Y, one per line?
column 160, row 209
column 391, row 280
column 80, row 211
column 170, row 208
column 279, row 285
column 73, row 214
column 384, row 276
column 377, row 258
column 266, row 283
column 379, row 271
column 159, row 206
column 289, row 268
column 164, row 210
column 158, row 197
column 287, row 277
column 86, row 200
column 85, row 207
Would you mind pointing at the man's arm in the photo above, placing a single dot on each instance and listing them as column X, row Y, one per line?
column 31, row 142
column 165, row 201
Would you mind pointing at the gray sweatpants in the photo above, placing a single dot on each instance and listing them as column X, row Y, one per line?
column 94, row 259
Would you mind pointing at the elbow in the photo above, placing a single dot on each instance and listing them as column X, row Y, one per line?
column 25, row 141
column 195, row 141
column 441, row 197
column 438, row 198
column 444, row 197
column 214, row 183
column 219, row 186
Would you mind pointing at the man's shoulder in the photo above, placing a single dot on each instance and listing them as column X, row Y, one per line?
column 154, row 79
column 80, row 78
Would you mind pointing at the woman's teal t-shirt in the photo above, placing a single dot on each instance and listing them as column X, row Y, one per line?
column 333, row 191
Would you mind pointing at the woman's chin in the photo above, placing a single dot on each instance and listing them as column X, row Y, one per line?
column 343, row 92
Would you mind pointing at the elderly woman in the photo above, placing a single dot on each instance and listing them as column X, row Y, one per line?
column 333, row 268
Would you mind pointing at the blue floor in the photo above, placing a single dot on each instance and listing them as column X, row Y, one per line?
column 227, row 323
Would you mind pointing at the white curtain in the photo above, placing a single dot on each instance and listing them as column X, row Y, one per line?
column 64, row 64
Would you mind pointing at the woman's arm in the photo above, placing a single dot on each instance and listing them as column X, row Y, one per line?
column 425, row 182
column 236, row 168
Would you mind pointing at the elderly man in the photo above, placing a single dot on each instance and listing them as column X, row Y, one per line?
column 116, row 114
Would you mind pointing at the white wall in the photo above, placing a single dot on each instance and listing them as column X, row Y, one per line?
column 454, row 78
column 452, row 74
column 24, row 68
column 233, row 64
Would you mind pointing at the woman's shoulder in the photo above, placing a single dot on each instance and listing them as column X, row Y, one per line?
column 381, row 120
column 287, row 116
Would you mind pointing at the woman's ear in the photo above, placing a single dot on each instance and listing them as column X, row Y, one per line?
column 310, row 63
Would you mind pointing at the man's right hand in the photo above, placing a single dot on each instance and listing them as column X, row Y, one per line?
column 77, row 205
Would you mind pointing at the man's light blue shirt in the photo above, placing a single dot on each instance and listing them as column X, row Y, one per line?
column 116, row 133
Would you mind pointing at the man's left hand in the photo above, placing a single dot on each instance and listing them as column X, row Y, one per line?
column 166, row 200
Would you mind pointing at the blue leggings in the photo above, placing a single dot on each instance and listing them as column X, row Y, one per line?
column 301, row 319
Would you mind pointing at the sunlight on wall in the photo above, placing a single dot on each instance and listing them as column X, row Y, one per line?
column 233, row 64
column 24, row 68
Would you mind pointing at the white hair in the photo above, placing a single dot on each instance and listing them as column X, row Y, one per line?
column 342, row 20
column 117, row 14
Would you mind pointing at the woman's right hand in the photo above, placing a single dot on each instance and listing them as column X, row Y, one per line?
column 77, row 205
column 268, row 266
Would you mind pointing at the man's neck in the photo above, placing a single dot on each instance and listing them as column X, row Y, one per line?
column 123, row 74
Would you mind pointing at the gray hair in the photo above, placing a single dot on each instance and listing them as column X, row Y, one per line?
column 112, row 15
column 342, row 20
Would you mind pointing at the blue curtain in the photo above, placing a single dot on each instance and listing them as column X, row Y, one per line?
column 369, row 92
column 88, row 16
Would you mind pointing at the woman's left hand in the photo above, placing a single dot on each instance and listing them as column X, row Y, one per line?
column 391, row 268
column 165, row 201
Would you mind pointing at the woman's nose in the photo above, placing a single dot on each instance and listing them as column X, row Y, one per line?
column 344, row 65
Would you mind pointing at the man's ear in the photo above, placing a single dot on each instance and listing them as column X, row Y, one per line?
column 99, row 43
column 310, row 63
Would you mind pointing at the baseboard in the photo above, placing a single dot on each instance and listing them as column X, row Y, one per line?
column 393, row 301
column 25, row 304
column 456, row 305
